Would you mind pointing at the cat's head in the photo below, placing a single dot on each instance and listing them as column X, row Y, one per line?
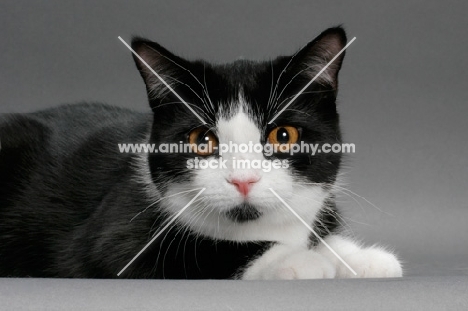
column 237, row 104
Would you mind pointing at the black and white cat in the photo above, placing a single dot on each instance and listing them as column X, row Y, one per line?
column 73, row 205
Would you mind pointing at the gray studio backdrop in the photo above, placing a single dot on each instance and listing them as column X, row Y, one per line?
column 403, row 92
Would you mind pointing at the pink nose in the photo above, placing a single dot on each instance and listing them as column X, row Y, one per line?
column 244, row 185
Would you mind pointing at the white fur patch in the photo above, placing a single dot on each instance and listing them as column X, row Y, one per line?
column 283, row 262
column 290, row 258
column 287, row 262
column 367, row 262
column 207, row 215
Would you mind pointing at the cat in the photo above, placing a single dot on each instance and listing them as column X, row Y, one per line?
column 73, row 205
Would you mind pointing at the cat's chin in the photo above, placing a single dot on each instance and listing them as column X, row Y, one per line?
column 243, row 212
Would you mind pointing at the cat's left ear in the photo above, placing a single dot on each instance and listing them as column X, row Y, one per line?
column 164, row 63
column 318, row 53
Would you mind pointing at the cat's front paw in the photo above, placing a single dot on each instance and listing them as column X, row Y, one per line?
column 371, row 263
column 305, row 264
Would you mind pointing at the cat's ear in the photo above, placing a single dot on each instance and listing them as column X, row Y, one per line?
column 319, row 52
column 162, row 62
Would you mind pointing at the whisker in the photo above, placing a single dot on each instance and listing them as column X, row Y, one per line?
column 206, row 89
column 363, row 198
column 184, row 84
column 178, row 65
column 271, row 85
column 195, row 207
column 349, row 193
column 309, row 92
column 281, row 74
column 291, row 80
column 162, row 198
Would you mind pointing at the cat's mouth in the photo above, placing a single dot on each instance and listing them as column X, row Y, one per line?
column 243, row 212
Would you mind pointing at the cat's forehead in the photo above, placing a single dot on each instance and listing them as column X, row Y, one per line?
column 240, row 87
column 238, row 124
column 241, row 72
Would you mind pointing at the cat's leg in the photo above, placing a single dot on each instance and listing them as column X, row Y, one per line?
column 367, row 262
column 289, row 262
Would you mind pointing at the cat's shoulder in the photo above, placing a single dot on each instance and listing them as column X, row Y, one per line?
column 90, row 114
column 65, row 128
column 72, row 120
column 45, row 140
column 77, row 111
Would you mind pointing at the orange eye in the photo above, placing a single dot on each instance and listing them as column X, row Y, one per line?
column 203, row 141
column 283, row 137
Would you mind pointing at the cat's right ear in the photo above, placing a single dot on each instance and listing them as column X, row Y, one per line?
column 161, row 61
column 317, row 54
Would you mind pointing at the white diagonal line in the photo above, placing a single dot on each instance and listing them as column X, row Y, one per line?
column 161, row 231
column 311, row 81
column 312, row 230
column 162, row 80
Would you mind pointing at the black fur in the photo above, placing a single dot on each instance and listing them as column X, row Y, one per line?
column 67, row 194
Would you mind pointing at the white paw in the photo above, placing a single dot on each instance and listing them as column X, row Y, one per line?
column 370, row 263
column 304, row 264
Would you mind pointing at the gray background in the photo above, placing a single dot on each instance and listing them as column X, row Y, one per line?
column 403, row 92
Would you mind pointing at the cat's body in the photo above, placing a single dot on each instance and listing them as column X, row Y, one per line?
column 73, row 205
column 73, row 181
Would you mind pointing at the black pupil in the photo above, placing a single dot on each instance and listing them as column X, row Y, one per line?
column 282, row 136
column 203, row 138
